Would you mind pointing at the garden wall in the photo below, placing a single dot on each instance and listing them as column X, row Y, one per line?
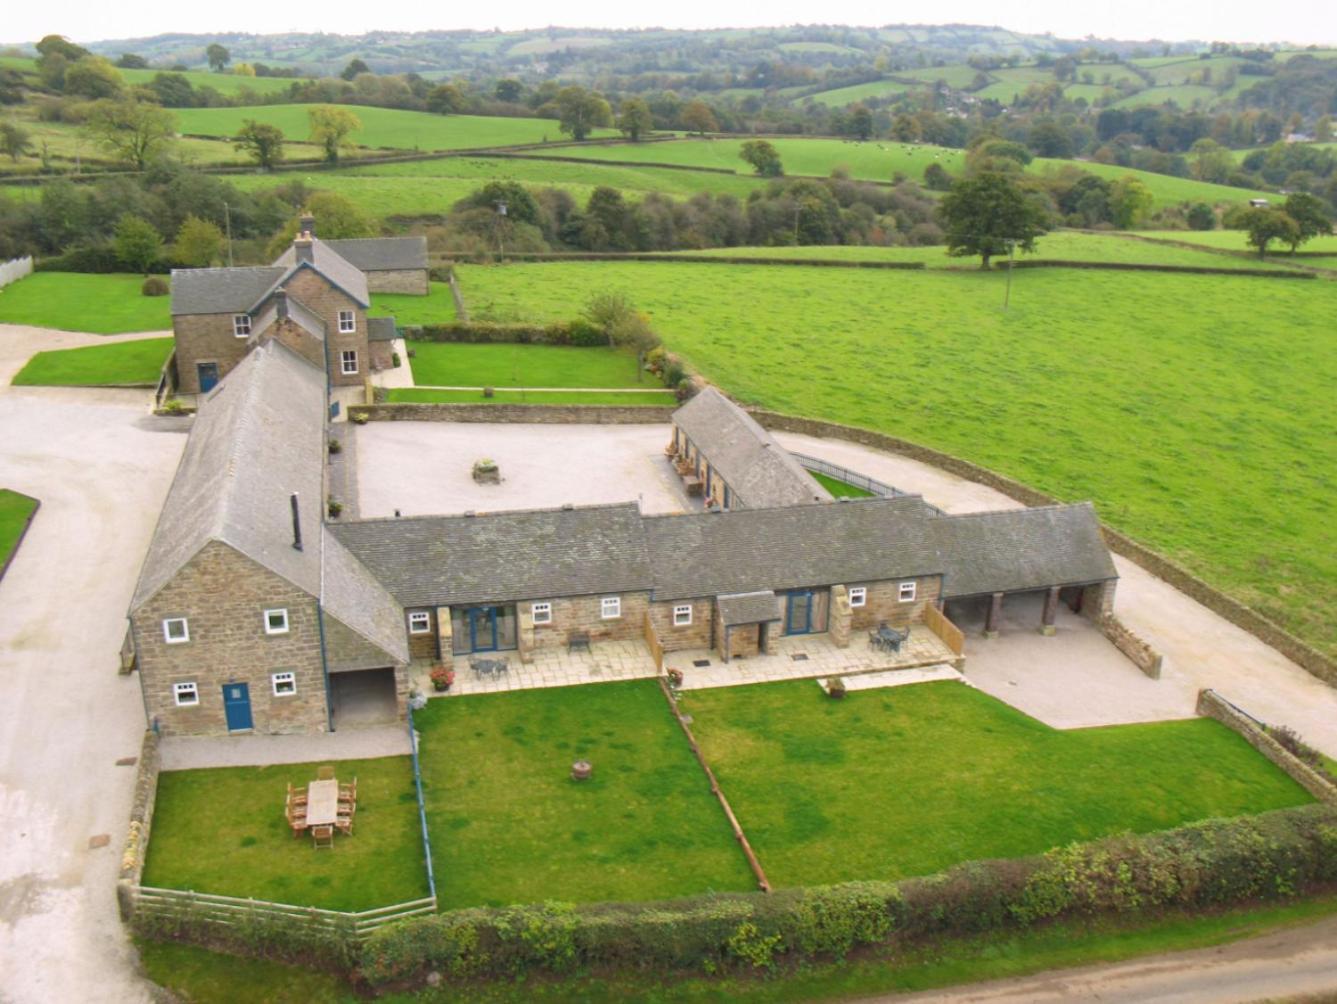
column 1129, row 266
column 1201, row 866
column 1213, row 705
column 1142, row 655
column 141, row 822
column 547, row 414
column 1237, row 613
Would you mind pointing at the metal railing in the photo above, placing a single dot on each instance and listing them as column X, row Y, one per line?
column 422, row 808
column 819, row 466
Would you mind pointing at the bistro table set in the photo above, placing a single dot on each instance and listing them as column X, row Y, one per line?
column 488, row 667
column 887, row 639
column 324, row 807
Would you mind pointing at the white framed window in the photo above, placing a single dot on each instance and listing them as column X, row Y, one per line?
column 186, row 694
column 276, row 621
column 420, row 622
column 348, row 362
column 682, row 615
column 175, row 630
column 285, row 684
column 347, row 322
column 610, row 607
column 907, row 592
column 241, row 325
column 859, row 596
column 542, row 613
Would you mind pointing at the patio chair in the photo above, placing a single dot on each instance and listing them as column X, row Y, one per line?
column 296, row 796
column 344, row 824
column 578, row 641
column 481, row 667
column 325, row 773
column 297, row 821
column 348, row 792
column 322, row 836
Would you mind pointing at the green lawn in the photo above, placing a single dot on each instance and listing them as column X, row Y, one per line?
column 1237, row 240
column 1195, row 422
column 451, row 364
column 437, row 307
column 878, row 160
column 137, row 363
column 386, row 128
column 230, row 84
column 14, row 512
column 840, row 489
column 426, row 395
column 223, row 831
column 908, row 781
column 75, row 301
column 509, row 825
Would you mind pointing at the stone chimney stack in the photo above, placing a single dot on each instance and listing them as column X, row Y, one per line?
column 281, row 304
column 306, row 233
column 307, row 227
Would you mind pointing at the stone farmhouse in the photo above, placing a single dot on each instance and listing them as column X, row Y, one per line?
column 315, row 295
column 254, row 613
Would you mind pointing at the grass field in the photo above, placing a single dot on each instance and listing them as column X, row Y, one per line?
column 451, row 364
column 838, row 488
column 229, row 84
column 137, row 363
column 429, row 395
column 384, row 128
column 508, row 825
column 14, row 512
column 893, row 783
column 437, row 307
column 878, row 160
column 1194, row 410
column 223, row 831
column 76, row 301
column 1236, row 240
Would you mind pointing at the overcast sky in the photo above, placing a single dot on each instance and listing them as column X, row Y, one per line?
column 1301, row 21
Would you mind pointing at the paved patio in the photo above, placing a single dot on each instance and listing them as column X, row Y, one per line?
column 552, row 667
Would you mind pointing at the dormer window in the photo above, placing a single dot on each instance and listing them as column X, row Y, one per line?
column 347, row 322
column 241, row 325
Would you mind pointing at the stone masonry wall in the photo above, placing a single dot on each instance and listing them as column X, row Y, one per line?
column 205, row 338
column 423, row 646
column 297, row 338
column 1142, row 655
column 694, row 635
column 325, row 301
column 400, row 280
column 224, row 595
column 554, row 414
column 582, row 613
column 141, row 822
column 884, row 603
column 1212, row 705
column 382, row 355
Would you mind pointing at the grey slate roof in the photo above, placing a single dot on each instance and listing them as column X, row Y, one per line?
column 864, row 540
column 494, row 557
column 381, row 254
column 749, row 608
column 760, row 473
column 332, row 266
column 258, row 437
column 353, row 596
column 381, row 329
column 1021, row 549
column 221, row 290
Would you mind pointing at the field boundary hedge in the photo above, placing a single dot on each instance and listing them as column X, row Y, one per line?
column 1239, row 614
column 1130, row 266
column 703, row 259
column 1213, row 863
column 577, row 334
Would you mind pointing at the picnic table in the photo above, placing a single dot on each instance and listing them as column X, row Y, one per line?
column 322, row 803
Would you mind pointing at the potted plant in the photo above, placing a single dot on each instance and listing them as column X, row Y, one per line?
column 442, row 677
column 674, row 678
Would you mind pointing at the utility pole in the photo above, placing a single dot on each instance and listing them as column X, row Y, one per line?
column 227, row 223
column 798, row 208
column 501, row 219
column 1007, row 290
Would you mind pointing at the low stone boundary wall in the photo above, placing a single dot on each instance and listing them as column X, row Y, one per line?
column 1213, row 705
column 547, row 414
column 141, row 821
column 1303, row 654
column 660, row 257
column 1142, row 655
column 1130, row 266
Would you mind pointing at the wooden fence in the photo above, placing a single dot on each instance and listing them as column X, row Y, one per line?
column 652, row 640
column 952, row 636
column 229, row 910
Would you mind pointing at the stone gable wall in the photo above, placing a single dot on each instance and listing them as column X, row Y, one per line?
column 205, row 338
column 325, row 301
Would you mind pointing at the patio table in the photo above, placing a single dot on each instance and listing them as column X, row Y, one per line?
column 322, row 803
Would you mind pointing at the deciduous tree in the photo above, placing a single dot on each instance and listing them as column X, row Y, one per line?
column 218, row 57
column 134, row 131
column 1130, row 201
column 354, row 67
column 763, row 157
column 93, row 77
column 1267, row 225
column 198, row 242
column 1310, row 216
column 580, row 111
column 634, row 119
column 15, row 141
column 331, row 127
column 264, row 142
column 861, row 122
column 138, row 245
column 698, row 118
column 337, row 218
column 987, row 214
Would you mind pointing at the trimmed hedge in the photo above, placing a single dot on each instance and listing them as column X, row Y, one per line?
column 578, row 333
column 98, row 259
column 1208, row 864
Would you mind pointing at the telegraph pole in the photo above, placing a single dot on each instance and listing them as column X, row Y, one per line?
column 1011, row 254
column 227, row 222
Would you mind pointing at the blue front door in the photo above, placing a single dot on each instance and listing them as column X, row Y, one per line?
column 208, row 374
column 482, row 629
column 798, row 613
column 237, row 705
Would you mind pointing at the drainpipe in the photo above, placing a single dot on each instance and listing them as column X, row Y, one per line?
column 325, row 668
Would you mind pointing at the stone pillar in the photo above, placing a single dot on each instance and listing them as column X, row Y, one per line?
column 838, row 622
column 724, row 644
column 445, row 638
column 524, row 636
column 766, row 637
column 1050, row 612
column 995, row 616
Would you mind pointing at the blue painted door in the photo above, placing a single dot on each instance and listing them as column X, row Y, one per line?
column 798, row 613
column 237, row 705
column 208, row 374
column 482, row 629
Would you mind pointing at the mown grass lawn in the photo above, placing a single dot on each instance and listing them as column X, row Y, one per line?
column 76, row 301
column 14, row 512
column 908, row 781
column 437, row 307
column 838, row 488
column 508, row 825
column 137, row 363
column 223, row 831
column 460, row 364
column 428, row 395
column 1194, row 410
